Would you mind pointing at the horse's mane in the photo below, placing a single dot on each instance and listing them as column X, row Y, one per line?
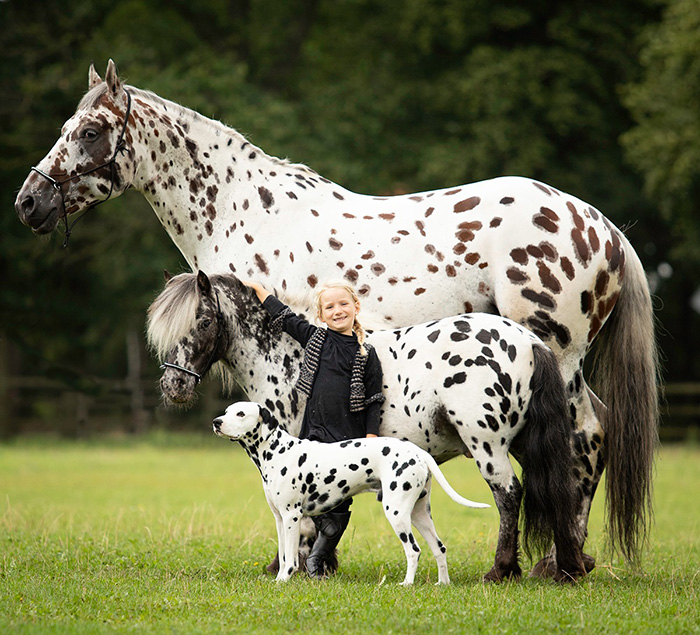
column 92, row 98
column 172, row 314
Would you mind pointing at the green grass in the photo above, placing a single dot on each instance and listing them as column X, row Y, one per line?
column 153, row 537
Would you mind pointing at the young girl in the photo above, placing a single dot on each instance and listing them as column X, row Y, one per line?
column 342, row 379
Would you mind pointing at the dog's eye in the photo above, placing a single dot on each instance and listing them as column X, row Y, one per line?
column 206, row 323
column 240, row 414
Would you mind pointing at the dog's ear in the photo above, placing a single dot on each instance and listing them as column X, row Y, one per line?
column 267, row 417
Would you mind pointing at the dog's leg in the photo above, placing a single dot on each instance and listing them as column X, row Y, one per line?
column 398, row 515
column 423, row 522
column 280, row 534
column 289, row 545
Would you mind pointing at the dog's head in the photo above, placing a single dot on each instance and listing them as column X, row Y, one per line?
column 241, row 419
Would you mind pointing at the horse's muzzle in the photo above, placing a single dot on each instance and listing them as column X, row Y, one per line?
column 38, row 205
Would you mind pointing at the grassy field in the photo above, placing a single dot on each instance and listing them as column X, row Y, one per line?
column 159, row 537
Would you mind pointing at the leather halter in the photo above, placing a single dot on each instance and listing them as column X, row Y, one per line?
column 219, row 331
column 120, row 147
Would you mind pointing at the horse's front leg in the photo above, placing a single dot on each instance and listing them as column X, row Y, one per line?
column 507, row 500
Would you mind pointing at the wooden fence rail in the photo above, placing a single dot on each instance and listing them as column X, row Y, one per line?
column 133, row 404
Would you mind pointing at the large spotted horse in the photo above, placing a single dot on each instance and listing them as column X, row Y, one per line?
column 477, row 385
column 510, row 246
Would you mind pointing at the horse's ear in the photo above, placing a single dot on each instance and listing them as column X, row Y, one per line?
column 203, row 283
column 112, row 79
column 167, row 275
column 93, row 78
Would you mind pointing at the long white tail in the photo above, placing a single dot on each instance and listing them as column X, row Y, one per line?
column 440, row 478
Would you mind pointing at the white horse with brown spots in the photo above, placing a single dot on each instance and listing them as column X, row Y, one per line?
column 510, row 245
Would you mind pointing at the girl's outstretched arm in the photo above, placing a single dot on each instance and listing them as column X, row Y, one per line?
column 260, row 291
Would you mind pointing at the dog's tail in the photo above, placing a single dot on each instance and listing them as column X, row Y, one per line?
column 449, row 490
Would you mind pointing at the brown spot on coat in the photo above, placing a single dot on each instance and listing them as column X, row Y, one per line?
column 519, row 255
column 335, row 244
column 547, row 220
column 581, row 246
column 260, row 263
column 467, row 204
column 312, row 281
column 544, row 300
column 466, row 230
column 547, row 278
column 266, row 197
column 567, row 267
column 601, row 283
column 516, row 276
column 377, row 269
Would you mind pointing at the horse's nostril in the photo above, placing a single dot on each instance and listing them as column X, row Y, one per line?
column 27, row 204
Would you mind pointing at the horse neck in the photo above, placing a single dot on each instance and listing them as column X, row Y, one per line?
column 204, row 181
column 255, row 355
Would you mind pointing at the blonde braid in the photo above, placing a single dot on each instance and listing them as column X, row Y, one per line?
column 357, row 328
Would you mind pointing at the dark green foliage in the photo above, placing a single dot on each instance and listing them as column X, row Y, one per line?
column 381, row 97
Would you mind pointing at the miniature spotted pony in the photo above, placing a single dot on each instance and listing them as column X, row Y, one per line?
column 476, row 385
column 510, row 246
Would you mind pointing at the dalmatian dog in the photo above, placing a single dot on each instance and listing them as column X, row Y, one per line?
column 308, row 478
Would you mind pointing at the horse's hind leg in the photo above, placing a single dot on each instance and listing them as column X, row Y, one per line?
column 423, row 522
column 588, row 468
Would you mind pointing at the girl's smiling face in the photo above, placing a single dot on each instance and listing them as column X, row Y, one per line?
column 338, row 310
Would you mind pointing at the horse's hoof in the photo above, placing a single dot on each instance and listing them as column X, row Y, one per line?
column 588, row 562
column 274, row 566
column 547, row 567
column 498, row 574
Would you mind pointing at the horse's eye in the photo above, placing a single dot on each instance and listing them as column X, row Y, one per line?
column 206, row 323
column 90, row 134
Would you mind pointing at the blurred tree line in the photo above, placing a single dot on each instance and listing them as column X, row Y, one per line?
column 598, row 98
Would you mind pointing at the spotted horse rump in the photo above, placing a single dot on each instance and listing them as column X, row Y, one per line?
column 302, row 477
column 476, row 385
column 510, row 246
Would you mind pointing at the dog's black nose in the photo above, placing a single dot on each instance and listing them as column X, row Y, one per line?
column 217, row 423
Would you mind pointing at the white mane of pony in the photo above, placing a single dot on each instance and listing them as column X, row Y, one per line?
column 172, row 314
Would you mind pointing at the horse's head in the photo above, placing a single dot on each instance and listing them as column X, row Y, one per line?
column 90, row 162
column 195, row 353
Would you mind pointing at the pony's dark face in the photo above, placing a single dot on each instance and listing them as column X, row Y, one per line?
column 78, row 171
column 197, row 351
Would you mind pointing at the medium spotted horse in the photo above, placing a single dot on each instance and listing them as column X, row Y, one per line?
column 477, row 385
column 510, row 246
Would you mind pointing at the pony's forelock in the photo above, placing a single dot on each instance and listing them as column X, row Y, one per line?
column 172, row 314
